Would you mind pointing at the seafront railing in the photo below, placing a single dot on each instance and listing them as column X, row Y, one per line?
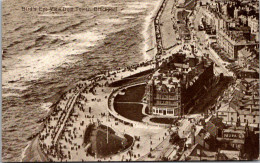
column 157, row 27
column 70, row 105
column 58, row 133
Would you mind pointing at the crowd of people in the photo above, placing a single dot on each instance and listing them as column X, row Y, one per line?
column 58, row 138
column 54, row 123
column 63, row 116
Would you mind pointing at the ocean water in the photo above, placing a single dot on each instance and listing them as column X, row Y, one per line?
column 44, row 52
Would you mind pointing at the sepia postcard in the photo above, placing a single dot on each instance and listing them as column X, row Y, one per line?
column 130, row 80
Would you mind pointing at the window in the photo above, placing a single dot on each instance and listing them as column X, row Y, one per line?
column 245, row 120
column 254, row 121
column 170, row 112
column 245, row 116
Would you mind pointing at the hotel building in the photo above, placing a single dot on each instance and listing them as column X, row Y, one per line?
column 177, row 83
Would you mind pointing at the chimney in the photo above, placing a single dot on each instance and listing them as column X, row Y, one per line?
column 238, row 122
column 170, row 81
column 203, row 139
column 193, row 129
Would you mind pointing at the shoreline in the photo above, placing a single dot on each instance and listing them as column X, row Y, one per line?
column 150, row 43
column 25, row 149
column 148, row 26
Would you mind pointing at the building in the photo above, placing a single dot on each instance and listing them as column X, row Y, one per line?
column 233, row 138
column 228, row 114
column 163, row 91
column 227, row 143
column 243, row 19
column 248, row 72
column 181, row 23
column 164, row 95
column 199, row 135
column 196, row 83
column 243, row 106
column 187, row 4
column 176, row 84
column 253, row 23
column 198, row 153
column 229, row 155
column 209, row 18
column 214, row 126
column 247, row 56
column 233, row 41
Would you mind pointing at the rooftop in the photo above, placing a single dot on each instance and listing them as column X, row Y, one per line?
column 231, row 155
column 236, row 37
column 181, row 15
column 217, row 122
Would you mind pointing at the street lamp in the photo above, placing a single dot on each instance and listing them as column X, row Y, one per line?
column 107, row 125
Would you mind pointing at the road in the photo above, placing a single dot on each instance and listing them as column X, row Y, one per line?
column 164, row 149
column 212, row 55
column 166, row 152
column 220, row 63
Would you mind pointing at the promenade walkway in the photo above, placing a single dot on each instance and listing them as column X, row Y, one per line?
column 158, row 34
column 72, row 114
column 65, row 126
column 168, row 34
column 71, row 104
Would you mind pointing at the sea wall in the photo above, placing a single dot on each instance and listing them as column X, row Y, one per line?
column 33, row 152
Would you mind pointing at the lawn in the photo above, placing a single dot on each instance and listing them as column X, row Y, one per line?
column 87, row 133
column 111, row 131
column 132, row 94
column 103, row 148
column 130, row 111
column 114, row 145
